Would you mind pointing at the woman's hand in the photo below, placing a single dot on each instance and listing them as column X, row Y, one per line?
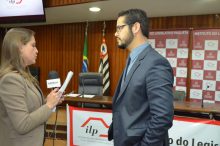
column 61, row 99
column 54, row 98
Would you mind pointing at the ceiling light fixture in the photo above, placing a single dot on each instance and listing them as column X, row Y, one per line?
column 94, row 9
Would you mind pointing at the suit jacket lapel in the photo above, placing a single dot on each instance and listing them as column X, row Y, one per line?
column 117, row 89
column 35, row 90
column 131, row 72
column 127, row 80
column 41, row 93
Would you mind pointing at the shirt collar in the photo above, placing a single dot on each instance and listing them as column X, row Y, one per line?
column 136, row 51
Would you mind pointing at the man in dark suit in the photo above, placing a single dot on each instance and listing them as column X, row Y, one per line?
column 143, row 100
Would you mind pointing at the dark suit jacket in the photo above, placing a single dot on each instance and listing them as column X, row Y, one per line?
column 143, row 106
column 22, row 113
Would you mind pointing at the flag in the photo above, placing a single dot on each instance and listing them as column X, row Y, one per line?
column 104, row 67
column 85, row 55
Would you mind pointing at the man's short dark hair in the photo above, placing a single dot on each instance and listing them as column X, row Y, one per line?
column 136, row 15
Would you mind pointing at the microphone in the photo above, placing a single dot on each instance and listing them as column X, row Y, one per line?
column 83, row 91
column 202, row 105
column 53, row 80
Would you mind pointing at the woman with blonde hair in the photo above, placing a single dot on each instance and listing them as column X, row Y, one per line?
column 23, row 108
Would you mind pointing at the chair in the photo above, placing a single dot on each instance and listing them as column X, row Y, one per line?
column 91, row 83
column 179, row 95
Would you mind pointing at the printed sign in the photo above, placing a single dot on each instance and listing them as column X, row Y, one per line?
column 89, row 127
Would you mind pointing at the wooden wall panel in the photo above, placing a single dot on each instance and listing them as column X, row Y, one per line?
column 60, row 46
column 180, row 22
column 54, row 3
column 73, row 39
column 49, row 44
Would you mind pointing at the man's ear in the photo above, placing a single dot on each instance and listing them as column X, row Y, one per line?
column 136, row 27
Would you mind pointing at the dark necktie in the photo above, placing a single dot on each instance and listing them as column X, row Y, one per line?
column 126, row 69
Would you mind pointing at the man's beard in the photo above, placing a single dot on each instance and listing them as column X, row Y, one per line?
column 127, row 41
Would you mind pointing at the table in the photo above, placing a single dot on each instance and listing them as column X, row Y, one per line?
column 211, row 109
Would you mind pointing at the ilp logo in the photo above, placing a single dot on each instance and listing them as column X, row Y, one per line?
column 91, row 130
column 15, row 1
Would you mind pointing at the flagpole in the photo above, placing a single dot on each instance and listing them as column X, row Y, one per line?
column 104, row 63
column 87, row 25
column 85, row 50
column 103, row 30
